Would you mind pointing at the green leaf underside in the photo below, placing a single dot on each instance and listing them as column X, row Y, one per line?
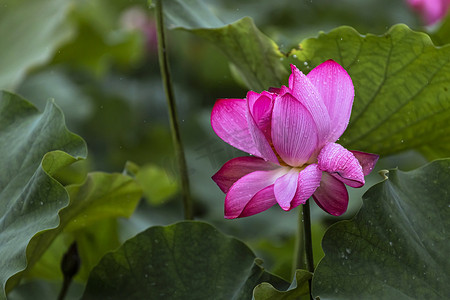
column 402, row 90
column 187, row 260
column 397, row 245
column 298, row 288
column 42, row 26
column 33, row 146
column 256, row 56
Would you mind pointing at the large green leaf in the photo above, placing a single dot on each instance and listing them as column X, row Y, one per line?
column 402, row 91
column 33, row 146
column 397, row 245
column 187, row 260
column 256, row 57
column 30, row 32
column 101, row 197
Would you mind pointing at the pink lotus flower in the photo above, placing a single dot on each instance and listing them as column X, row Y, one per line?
column 291, row 133
column 431, row 11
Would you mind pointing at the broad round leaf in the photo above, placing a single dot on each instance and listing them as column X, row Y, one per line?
column 33, row 146
column 397, row 245
column 187, row 260
column 402, row 92
column 100, row 197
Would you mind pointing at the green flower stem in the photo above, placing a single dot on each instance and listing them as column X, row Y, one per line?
column 299, row 251
column 303, row 244
column 308, row 240
column 174, row 124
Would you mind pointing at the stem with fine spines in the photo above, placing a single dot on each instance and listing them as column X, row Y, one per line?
column 174, row 124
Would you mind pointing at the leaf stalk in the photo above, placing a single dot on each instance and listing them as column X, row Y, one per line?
column 173, row 116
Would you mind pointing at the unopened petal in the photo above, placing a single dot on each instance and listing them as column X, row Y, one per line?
column 366, row 160
column 341, row 163
column 308, row 182
column 285, row 188
column 336, row 89
column 331, row 195
column 306, row 92
column 261, row 111
column 259, row 139
column 229, row 122
column 238, row 167
column 294, row 133
column 263, row 200
column 243, row 190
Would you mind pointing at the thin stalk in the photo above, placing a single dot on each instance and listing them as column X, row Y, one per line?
column 65, row 288
column 174, row 124
column 70, row 265
column 308, row 241
column 299, row 251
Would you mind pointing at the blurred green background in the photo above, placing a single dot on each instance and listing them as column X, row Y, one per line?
column 98, row 60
